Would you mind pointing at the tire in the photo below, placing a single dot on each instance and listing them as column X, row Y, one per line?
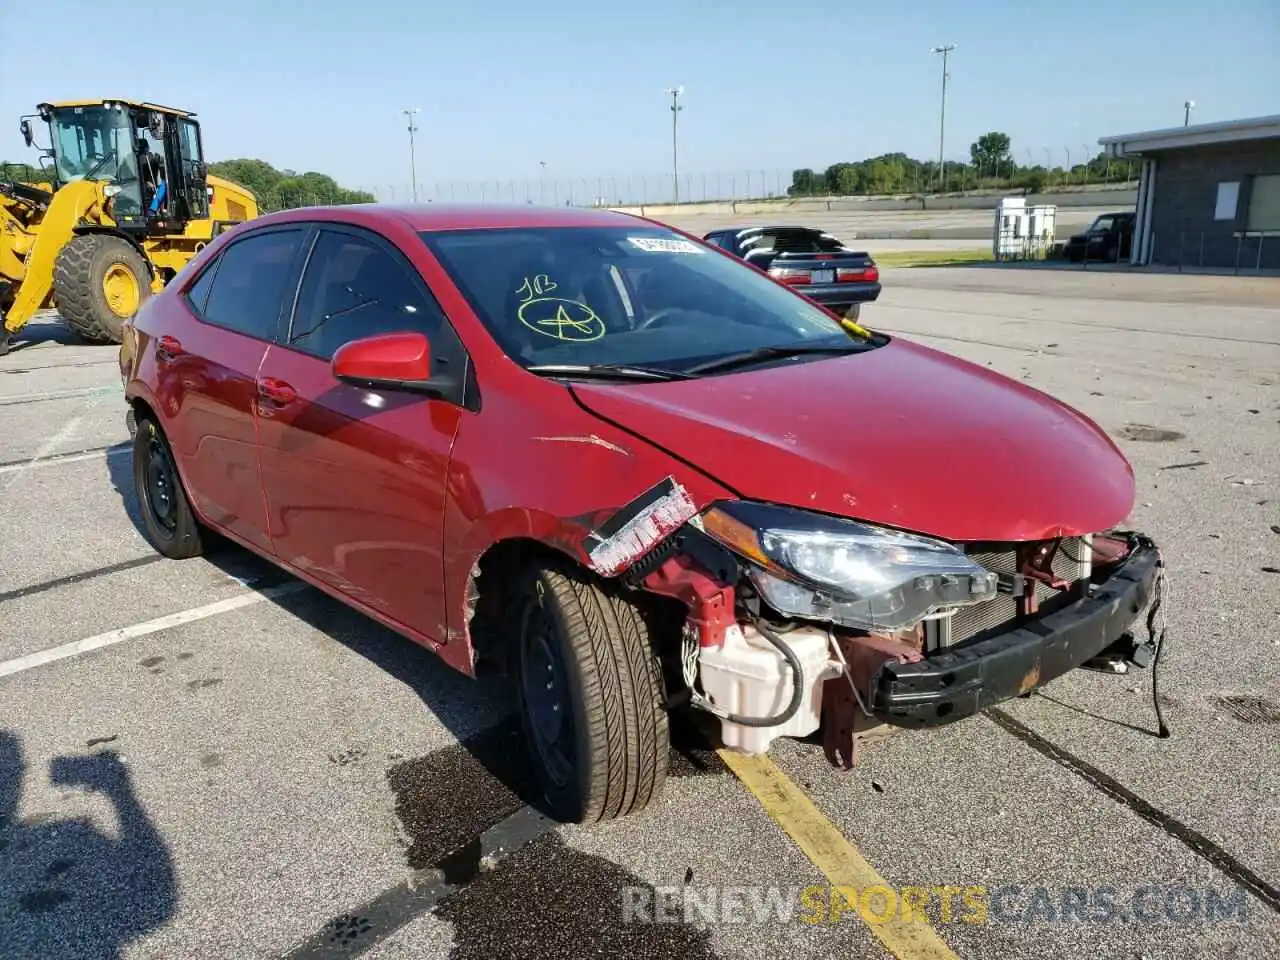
column 80, row 285
column 853, row 312
column 591, row 698
column 167, row 519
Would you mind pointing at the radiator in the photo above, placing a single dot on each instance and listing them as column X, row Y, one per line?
column 1072, row 562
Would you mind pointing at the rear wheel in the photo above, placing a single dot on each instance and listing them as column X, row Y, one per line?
column 590, row 695
column 167, row 518
column 99, row 281
column 853, row 311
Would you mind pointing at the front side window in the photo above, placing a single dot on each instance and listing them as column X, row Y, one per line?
column 639, row 295
column 356, row 288
column 248, row 290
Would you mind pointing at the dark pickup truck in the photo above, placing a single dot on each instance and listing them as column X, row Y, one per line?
column 1109, row 237
column 814, row 263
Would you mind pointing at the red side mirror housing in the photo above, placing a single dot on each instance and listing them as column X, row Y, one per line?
column 395, row 361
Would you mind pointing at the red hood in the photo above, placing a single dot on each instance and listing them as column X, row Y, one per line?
column 902, row 435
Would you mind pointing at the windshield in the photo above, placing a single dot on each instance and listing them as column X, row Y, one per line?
column 91, row 141
column 792, row 241
column 636, row 296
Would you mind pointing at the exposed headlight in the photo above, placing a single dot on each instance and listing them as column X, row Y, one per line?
column 111, row 189
column 818, row 567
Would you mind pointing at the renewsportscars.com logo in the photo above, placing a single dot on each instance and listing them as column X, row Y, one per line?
column 971, row 904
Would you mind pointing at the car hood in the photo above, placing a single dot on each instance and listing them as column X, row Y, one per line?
column 900, row 435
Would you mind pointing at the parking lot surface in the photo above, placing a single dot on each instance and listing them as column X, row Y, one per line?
column 208, row 759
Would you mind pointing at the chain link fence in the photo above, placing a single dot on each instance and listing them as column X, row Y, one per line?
column 850, row 180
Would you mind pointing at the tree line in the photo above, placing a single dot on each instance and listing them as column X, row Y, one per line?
column 991, row 165
column 275, row 189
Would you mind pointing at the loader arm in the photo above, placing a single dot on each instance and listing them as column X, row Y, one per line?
column 34, row 285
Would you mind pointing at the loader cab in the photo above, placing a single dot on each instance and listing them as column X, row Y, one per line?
column 149, row 158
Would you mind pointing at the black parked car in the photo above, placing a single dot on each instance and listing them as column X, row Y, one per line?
column 1109, row 237
column 815, row 263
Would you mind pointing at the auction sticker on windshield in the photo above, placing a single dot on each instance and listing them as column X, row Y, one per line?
column 663, row 245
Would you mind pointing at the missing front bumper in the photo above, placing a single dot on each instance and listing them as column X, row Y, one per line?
column 959, row 682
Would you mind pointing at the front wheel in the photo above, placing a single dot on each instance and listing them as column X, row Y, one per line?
column 590, row 697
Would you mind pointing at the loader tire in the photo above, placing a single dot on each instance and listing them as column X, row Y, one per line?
column 590, row 694
column 99, row 281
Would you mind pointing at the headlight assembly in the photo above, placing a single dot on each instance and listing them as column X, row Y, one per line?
column 819, row 567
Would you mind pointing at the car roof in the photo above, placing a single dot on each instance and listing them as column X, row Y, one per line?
column 755, row 229
column 449, row 216
column 135, row 104
column 775, row 227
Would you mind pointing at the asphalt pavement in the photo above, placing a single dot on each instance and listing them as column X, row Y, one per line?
column 208, row 759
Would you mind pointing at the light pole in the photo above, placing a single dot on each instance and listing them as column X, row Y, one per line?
column 676, row 93
column 1187, row 107
column 413, row 163
column 942, row 125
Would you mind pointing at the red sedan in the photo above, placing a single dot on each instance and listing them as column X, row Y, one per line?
column 632, row 471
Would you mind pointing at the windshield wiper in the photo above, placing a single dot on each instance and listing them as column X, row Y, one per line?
column 606, row 371
column 770, row 353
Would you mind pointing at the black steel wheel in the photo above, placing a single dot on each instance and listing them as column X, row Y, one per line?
column 591, row 698
column 167, row 518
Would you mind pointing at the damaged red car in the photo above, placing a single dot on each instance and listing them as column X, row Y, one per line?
column 631, row 472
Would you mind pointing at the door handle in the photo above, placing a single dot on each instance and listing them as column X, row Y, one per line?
column 277, row 391
column 168, row 347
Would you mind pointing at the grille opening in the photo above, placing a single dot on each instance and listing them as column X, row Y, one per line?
column 1071, row 562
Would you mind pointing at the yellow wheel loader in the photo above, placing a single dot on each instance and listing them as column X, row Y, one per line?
column 126, row 204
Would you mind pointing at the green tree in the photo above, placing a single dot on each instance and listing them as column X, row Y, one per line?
column 286, row 189
column 805, row 183
column 841, row 179
column 23, row 173
column 990, row 154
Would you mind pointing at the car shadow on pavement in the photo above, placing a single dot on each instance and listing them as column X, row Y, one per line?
column 68, row 889
column 479, row 713
column 446, row 798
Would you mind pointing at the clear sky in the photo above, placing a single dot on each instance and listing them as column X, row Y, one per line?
column 506, row 84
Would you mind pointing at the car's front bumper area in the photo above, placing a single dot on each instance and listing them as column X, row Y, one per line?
column 960, row 682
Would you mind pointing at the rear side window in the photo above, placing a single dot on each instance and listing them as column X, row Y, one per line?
column 246, row 292
column 355, row 287
column 199, row 291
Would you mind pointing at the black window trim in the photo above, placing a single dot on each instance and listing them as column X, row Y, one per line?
column 305, row 229
column 446, row 344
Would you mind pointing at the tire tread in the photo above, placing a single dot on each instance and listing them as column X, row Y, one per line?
column 621, row 687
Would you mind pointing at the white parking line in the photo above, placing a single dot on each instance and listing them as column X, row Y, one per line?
column 57, row 458
column 111, row 637
column 106, row 391
column 68, row 429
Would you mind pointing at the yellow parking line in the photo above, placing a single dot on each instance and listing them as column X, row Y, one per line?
column 838, row 859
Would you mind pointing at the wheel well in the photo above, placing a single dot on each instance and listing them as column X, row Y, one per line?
column 142, row 409
column 495, row 580
column 490, row 589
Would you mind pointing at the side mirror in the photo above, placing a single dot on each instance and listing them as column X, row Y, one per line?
column 389, row 361
column 28, row 137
